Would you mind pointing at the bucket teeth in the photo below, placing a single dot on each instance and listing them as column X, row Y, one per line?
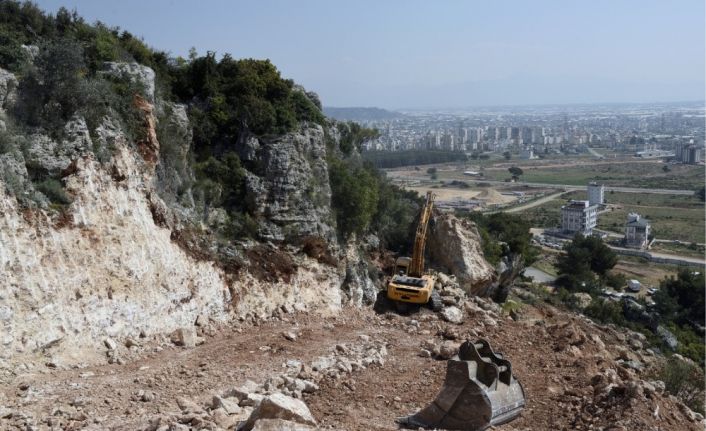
column 479, row 391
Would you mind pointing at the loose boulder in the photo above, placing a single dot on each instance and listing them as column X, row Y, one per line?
column 455, row 246
column 279, row 406
column 452, row 315
column 279, row 425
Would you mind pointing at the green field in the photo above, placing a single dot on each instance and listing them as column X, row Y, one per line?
column 619, row 174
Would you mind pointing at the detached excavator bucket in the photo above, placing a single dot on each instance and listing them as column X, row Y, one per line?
column 479, row 391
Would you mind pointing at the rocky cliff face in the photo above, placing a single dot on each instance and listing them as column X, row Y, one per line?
column 127, row 255
column 287, row 184
column 106, row 265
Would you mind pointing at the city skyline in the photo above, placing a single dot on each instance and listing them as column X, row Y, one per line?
column 404, row 55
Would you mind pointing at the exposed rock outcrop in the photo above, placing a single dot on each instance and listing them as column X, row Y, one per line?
column 8, row 94
column 52, row 157
column 110, row 268
column 288, row 184
column 358, row 287
column 454, row 246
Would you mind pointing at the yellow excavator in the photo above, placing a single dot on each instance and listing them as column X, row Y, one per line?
column 409, row 284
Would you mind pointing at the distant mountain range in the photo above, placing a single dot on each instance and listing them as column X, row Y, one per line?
column 361, row 114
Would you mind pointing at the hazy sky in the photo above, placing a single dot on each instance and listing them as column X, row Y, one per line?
column 441, row 53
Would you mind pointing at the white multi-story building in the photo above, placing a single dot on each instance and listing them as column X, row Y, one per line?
column 637, row 231
column 579, row 217
column 596, row 193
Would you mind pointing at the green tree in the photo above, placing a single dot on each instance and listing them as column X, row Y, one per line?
column 583, row 257
column 354, row 196
column 681, row 299
column 503, row 234
column 515, row 171
column 507, row 155
column 701, row 193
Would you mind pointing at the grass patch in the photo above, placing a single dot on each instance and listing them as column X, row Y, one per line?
column 667, row 222
column 691, row 249
column 619, row 174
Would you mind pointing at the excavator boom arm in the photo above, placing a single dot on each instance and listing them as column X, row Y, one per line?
column 417, row 265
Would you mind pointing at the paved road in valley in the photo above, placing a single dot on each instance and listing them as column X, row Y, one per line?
column 535, row 203
column 569, row 187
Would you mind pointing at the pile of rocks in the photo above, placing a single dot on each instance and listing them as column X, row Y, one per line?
column 277, row 403
column 483, row 311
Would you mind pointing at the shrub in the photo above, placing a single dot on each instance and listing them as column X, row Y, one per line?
column 685, row 381
column 606, row 312
column 54, row 190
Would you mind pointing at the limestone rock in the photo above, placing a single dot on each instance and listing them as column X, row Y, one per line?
column 8, row 90
column 357, row 285
column 452, row 314
column 454, row 245
column 287, row 186
column 228, row 405
column 55, row 157
column 280, row 425
column 184, row 337
column 323, row 363
column 241, row 392
column 448, row 349
column 279, row 406
column 110, row 344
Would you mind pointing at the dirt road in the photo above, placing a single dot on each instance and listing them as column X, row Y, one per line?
column 555, row 367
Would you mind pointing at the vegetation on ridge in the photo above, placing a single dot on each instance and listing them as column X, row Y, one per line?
column 229, row 101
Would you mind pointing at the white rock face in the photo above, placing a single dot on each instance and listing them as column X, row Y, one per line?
column 109, row 271
column 54, row 157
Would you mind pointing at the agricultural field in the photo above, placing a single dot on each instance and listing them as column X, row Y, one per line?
column 673, row 217
column 641, row 174
column 646, row 272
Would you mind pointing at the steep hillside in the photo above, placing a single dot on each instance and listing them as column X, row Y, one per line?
column 140, row 193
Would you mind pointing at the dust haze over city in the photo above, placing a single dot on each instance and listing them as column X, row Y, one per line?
column 276, row 215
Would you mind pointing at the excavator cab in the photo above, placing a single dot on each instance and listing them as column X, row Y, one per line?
column 402, row 266
column 409, row 283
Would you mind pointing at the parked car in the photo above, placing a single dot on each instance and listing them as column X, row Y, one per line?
column 634, row 285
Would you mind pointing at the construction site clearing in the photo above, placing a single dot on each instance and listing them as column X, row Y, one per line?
column 466, row 193
column 359, row 370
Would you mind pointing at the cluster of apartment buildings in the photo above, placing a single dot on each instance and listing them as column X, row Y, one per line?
column 581, row 216
column 649, row 131
column 688, row 152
